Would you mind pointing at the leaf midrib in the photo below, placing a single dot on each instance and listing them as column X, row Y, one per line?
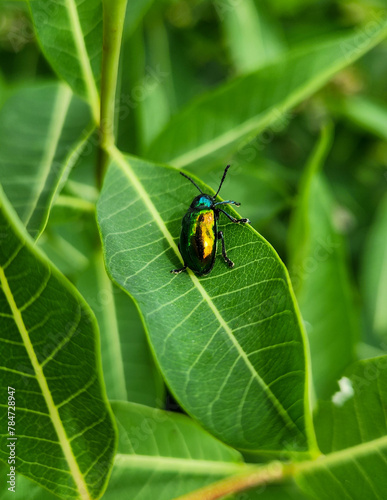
column 53, row 410
column 187, row 465
column 126, row 169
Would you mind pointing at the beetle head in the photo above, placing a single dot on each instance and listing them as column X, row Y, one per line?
column 202, row 201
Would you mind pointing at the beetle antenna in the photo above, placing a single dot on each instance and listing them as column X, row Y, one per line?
column 194, row 183
column 221, row 182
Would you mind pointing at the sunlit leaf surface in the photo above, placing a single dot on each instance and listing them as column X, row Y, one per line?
column 64, row 429
column 230, row 344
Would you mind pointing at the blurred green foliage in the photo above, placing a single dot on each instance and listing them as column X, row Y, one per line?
column 176, row 50
column 294, row 192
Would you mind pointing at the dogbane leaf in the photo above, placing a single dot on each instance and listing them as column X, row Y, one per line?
column 230, row 345
column 50, row 362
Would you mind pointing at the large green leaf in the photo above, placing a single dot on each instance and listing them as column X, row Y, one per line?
column 216, row 125
column 374, row 275
column 64, row 429
column 320, row 277
column 128, row 367
column 42, row 131
column 353, row 431
column 163, row 455
column 230, row 345
column 70, row 34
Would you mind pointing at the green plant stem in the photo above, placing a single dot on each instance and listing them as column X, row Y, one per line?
column 113, row 24
column 275, row 472
column 271, row 473
column 75, row 203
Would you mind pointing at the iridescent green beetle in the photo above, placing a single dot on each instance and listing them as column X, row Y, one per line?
column 199, row 231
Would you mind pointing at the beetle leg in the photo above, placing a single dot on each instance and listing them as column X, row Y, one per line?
column 178, row 271
column 236, row 221
column 229, row 262
column 228, row 202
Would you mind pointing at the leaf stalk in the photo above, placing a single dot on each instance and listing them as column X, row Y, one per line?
column 271, row 473
column 113, row 24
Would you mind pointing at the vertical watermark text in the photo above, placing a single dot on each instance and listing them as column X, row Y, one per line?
column 11, row 481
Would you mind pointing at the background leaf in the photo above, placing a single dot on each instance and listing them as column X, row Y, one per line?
column 135, row 11
column 129, row 370
column 69, row 245
column 51, row 125
column 288, row 491
column 374, row 275
column 172, row 53
column 163, row 455
column 217, row 124
column 352, row 429
column 64, row 427
column 70, row 34
column 365, row 112
column 319, row 274
column 148, row 86
column 252, row 35
column 230, row 345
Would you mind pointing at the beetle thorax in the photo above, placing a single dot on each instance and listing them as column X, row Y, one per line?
column 202, row 201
